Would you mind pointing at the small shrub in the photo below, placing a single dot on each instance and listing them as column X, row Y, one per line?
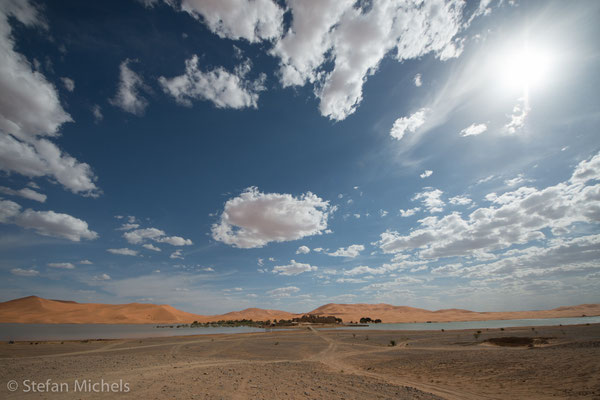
column 392, row 343
column 443, row 330
column 11, row 342
column 276, row 343
column 367, row 337
column 501, row 329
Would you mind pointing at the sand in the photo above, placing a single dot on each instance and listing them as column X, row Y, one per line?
column 308, row 364
column 34, row 309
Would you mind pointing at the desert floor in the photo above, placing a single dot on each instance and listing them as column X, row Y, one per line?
column 304, row 363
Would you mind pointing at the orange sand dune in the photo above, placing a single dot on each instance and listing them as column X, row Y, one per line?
column 397, row 314
column 34, row 309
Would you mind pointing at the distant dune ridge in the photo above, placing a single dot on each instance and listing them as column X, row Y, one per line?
column 35, row 309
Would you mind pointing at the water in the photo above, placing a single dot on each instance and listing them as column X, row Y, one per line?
column 105, row 331
column 122, row 331
column 509, row 323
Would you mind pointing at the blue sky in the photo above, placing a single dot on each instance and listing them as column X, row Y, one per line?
column 221, row 155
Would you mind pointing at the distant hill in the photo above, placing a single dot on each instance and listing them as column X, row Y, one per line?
column 35, row 309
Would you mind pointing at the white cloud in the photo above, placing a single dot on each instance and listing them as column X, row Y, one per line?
column 417, row 80
column 253, row 20
column 102, row 277
column 139, row 236
column 303, row 250
column 128, row 227
column 85, row 262
column 208, row 269
column 518, row 116
column 426, row 174
column 460, row 200
column 363, row 269
column 260, row 262
column 283, row 291
column 473, row 130
column 486, row 179
column 408, row 124
column 68, row 83
column 254, row 219
column 409, row 212
column 128, row 96
column 150, row 246
column 516, row 217
column 63, row 265
column 176, row 254
column 516, row 181
column 97, row 113
column 24, row 272
column 124, row 251
column 25, row 192
column 293, row 268
column 431, row 199
column 46, row 223
column 224, row 89
column 318, row 249
column 31, row 106
column 351, row 251
column 353, row 39
column 383, row 213
column 40, row 157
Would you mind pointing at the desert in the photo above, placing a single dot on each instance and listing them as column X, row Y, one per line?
column 307, row 363
column 34, row 309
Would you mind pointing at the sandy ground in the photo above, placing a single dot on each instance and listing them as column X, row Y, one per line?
column 302, row 364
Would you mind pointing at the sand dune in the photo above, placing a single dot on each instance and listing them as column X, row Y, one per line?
column 397, row 314
column 34, row 309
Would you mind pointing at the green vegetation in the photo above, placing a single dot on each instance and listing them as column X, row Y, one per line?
column 308, row 318
column 368, row 320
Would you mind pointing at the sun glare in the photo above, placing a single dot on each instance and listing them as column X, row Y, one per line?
column 525, row 68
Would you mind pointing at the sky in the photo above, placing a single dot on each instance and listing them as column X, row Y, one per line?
column 219, row 155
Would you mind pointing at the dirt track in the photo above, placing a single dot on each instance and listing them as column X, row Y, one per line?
column 313, row 364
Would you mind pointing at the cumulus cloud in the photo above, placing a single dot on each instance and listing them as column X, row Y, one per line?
column 303, row 250
column 24, row 272
column 473, row 130
column 224, row 89
column 409, row 212
column 408, row 124
column 25, row 192
column 30, row 109
column 40, row 157
column 283, row 291
column 417, row 80
column 254, row 219
column 102, row 277
column 176, row 254
column 431, row 200
column 97, row 113
column 252, row 20
column 63, row 265
column 31, row 105
column 336, row 45
column 515, row 217
column 460, row 200
column 85, row 262
column 150, row 246
column 46, row 223
column 363, row 269
column 426, row 174
column 139, row 236
column 128, row 96
column 68, row 83
column 518, row 116
column 293, row 268
column 351, row 251
column 123, row 251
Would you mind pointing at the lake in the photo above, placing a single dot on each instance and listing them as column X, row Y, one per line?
column 126, row 331
column 507, row 323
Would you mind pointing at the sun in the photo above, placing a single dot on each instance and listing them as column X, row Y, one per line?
column 524, row 68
